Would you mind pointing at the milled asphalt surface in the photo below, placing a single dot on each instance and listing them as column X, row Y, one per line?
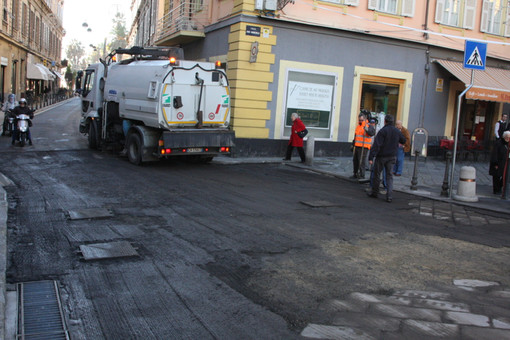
column 430, row 175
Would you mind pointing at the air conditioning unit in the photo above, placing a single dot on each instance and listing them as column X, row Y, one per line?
column 266, row 5
column 270, row 5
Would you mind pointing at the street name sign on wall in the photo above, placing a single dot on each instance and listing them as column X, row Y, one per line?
column 475, row 55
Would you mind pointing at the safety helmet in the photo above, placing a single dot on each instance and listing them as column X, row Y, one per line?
column 23, row 100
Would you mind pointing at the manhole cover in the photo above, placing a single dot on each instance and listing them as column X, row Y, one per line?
column 89, row 213
column 320, row 204
column 99, row 251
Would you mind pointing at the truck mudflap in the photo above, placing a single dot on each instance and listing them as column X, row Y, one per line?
column 203, row 141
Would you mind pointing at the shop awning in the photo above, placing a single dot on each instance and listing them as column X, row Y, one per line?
column 49, row 74
column 35, row 72
column 493, row 84
column 60, row 76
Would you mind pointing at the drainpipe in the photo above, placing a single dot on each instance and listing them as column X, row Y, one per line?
column 426, row 86
column 426, row 25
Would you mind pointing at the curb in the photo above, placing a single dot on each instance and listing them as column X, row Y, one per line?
column 3, row 256
column 420, row 193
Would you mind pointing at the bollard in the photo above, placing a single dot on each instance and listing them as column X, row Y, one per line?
column 414, row 180
column 310, row 147
column 446, row 186
column 466, row 190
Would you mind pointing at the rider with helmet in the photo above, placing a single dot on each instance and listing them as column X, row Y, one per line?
column 10, row 104
column 22, row 109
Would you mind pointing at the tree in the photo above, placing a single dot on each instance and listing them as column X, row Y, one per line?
column 119, row 32
column 75, row 54
column 69, row 77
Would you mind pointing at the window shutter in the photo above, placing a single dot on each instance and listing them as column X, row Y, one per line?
column 439, row 11
column 469, row 14
column 507, row 26
column 372, row 4
column 408, row 8
column 484, row 24
column 351, row 2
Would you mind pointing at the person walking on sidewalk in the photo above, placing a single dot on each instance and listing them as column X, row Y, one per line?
column 362, row 144
column 501, row 126
column 402, row 149
column 384, row 150
column 499, row 165
column 296, row 141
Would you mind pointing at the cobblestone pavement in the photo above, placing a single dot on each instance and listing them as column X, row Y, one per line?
column 484, row 313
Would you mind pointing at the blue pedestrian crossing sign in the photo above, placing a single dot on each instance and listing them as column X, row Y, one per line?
column 475, row 54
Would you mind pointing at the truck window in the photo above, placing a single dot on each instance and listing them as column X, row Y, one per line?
column 88, row 84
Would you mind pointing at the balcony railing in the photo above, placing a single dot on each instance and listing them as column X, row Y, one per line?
column 183, row 22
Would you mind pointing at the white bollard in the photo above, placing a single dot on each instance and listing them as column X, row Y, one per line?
column 310, row 147
column 466, row 190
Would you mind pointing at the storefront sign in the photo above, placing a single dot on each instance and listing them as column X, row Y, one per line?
column 489, row 95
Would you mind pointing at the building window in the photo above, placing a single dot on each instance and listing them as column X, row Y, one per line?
column 15, row 10
column 344, row 2
column 6, row 11
column 457, row 13
column 395, row 7
column 495, row 17
column 311, row 96
column 24, row 30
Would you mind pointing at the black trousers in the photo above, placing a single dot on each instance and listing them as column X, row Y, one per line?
column 300, row 150
column 359, row 160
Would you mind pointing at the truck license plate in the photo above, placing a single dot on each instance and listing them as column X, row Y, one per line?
column 195, row 150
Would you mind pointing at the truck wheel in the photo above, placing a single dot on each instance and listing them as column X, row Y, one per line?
column 93, row 135
column 134, row 148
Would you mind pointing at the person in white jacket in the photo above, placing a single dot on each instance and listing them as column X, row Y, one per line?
column 10, row 104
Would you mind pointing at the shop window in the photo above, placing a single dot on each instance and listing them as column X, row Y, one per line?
column 311, row 96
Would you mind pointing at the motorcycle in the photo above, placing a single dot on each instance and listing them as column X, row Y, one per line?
column 23, row 124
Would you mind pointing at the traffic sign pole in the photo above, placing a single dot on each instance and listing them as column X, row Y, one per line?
column 459, row 99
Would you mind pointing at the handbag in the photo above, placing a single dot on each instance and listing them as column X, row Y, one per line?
column 302, row 134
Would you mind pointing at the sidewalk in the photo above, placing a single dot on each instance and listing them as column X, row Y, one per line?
column 430, row 177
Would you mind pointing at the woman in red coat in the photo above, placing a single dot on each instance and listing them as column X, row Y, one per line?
column 295, row 140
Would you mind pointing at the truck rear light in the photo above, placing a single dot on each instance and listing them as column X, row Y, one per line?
column 224, row 149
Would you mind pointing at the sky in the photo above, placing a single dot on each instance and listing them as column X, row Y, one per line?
column 98, row 14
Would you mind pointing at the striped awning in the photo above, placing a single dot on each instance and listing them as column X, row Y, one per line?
column 493, row 84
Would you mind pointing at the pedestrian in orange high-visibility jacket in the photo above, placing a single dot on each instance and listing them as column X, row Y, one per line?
column 362, row 143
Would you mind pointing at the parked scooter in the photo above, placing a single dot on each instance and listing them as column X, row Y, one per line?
column 23, row 124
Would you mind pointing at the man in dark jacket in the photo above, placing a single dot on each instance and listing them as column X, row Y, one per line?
column 18, row 110
column 384, row 150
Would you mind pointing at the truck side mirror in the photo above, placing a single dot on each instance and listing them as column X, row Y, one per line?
column 177, row 102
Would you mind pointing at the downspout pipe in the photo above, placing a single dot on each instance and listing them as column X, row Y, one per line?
column 426, row 25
